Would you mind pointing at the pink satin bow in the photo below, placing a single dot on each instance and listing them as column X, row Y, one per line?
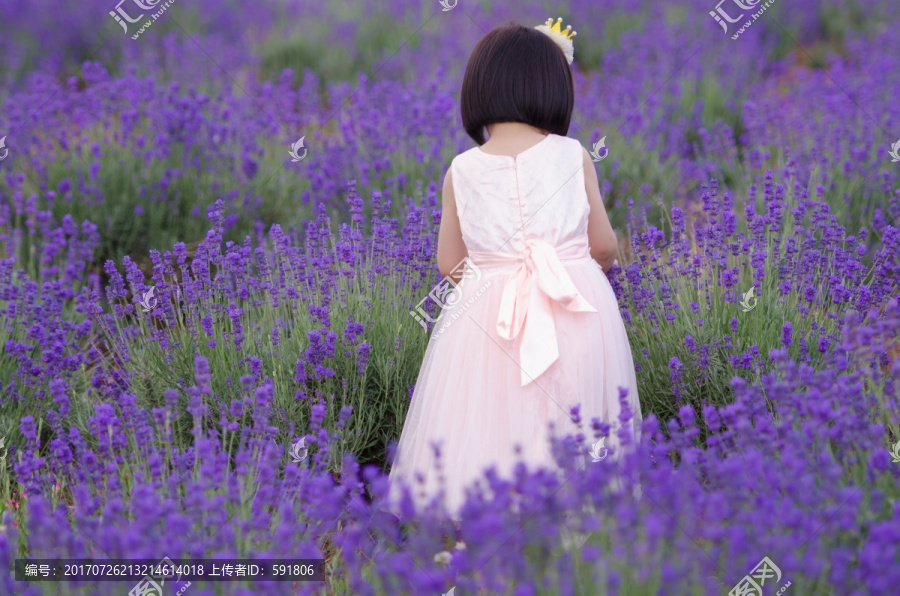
column 525, row 305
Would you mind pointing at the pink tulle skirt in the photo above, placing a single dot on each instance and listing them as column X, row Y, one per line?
column 469, row 396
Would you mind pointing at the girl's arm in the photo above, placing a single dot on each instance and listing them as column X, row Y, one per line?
column 601, row 236
column 451, row 248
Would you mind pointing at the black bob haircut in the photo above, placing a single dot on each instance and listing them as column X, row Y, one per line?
column 517, row 74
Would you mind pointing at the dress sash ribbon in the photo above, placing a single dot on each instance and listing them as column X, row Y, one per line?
column 526, row 302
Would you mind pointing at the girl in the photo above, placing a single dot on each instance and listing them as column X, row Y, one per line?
column 532, row 326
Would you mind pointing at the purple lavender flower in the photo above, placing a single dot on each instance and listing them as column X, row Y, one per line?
column 786, row 331
column 689, row 343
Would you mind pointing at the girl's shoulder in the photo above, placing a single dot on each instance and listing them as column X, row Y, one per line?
column 573, row 144
column 467, row 160
column 568, row 148
column 467, row 154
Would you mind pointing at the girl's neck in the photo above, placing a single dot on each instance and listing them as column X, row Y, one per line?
column 510, row 130
column 511, row 138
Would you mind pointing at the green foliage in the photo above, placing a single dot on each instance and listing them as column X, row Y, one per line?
column 761, row 327
column 837, row 22
column 717, row 105
column 591, row 49
column 379, row 396
column 376, row 38
column 634, row 171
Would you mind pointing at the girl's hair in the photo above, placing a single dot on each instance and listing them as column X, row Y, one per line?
column 517, row 74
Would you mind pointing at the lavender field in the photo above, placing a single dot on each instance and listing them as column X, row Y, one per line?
column 216, row 217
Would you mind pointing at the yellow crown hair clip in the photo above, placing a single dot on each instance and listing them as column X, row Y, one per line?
column 562, row 38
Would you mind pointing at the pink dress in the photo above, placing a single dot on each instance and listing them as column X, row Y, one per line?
column 534, row 328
